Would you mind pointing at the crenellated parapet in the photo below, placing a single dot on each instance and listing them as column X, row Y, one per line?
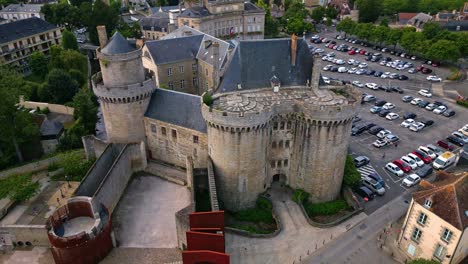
column 122, row 94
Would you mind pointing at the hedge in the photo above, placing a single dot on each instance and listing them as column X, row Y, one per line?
column 328, row 208
column 300, row 196
column 351, row 176
column 261, row 213
column 463, row 103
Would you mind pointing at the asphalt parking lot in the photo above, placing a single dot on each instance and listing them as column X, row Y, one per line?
column 409, row 140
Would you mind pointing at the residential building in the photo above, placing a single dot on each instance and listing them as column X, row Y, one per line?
column 403, row 18
column 436, row 224
column 155, row 26
column 15, row 12
column 464, row 12
column 226, row 19
column 20, row 38
column 419, row 20
column 185, row 61
column 455, row 25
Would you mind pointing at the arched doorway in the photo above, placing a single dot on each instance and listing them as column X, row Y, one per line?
column 280, row 178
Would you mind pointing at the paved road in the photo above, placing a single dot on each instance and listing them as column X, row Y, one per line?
column 358, row 245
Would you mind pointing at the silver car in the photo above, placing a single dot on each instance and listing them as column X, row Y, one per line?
column 373, row 185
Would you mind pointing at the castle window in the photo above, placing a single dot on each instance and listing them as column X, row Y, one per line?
column 447, row 235
column 194, row 67
column 174, row 134
column 275, row 125
column 273, row 144
column 280, row 145
column 282, row 126
column 171, row 85
column 289, row 125
column 181, row 69
column 195, row 139
column 278, row 164
column 286, row 144
column 182, row 84
column 195, row 81
column 169, row 71
column 153, row 128
column 206, row 72
column 285, row 163
column 273, row 164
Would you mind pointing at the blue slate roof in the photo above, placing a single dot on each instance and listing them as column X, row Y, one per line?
column 117, row 44
column 23, row 28
column 256, row 62
column 180, row 109
column 173, row 50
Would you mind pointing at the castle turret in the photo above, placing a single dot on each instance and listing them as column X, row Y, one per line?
column 123, row 89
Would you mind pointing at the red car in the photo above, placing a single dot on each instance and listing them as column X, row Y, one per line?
column 420, row 68
column 331, row 46
column 362, row 52
column 426, row 70
column 445, row 145
column 351, row 52
column 422, row 156
column 402, row 165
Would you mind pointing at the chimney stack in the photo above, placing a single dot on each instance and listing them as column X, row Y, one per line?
column 216, row 64
column 293, row 49
column 102, row 35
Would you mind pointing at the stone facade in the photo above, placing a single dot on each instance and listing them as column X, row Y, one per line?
column 179, row 76
column 173, row 144
column 257, row 137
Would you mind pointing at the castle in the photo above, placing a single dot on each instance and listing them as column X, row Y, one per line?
column 269, row 118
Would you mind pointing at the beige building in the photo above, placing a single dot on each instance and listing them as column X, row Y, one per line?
column 21, row 38
column 436, row 224
column 185, row 60
column 20, row 11
column 226, row 19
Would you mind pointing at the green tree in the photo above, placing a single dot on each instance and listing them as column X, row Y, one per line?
column 331, row 12
column 431, row 30
column 369, row 10
column 77, row 76
column 56, row 60
column 364, row 30
column 271, row 24
column 69, row 40
column 380, row 34
column 296, row 9
column 16, row 127
column 393, row 37
column 384, row 22
column 38, row 63
column 392, row 7
column 346, row 25
column 298, row 25
column 62, row 14
column 411, row 41
column 85, row 110
column 351, row 176
column 79, row 2
column 103, row 14
column 60, row 87
column 443, row 50
column 318, row 14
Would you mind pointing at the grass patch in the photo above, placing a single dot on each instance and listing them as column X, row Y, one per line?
column 340, row 92
column 300, row 196
column 18, row 187
column 74, row 164
column 455, row 75
column 328, row 208
column 258, row 220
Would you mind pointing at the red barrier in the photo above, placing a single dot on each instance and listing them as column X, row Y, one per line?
column 207, row 220
column 205, row 241
column 204, row 256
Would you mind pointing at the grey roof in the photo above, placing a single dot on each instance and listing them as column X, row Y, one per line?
column 17, row 8
column 180, row 109
column 195, row 11
column 175, row 49
column 165, row 9
column 255, row 62
column 205, row 53
column 51, row 128
column 23, row 28
column 248, row 6
column 157, row 22
column 461, row 25
column 117, row 44
column 419, row 19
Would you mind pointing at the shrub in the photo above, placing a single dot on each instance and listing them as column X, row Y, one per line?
column 74, row 164
column 423, row 261
column 264, row 203
column 207, row 99
column 463, row 103
column 53, row 167
column 18, row 187
column 261, row 213
column 300, row 196
column 351, row 176
column 328, row 208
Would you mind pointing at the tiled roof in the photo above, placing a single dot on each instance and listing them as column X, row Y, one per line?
column 23, row 28
column 180, row 109
column 17, row 8
column 195, row 11
column 117, row 45
column 449, row 196
column 175, row 49
column 51, row 128
column 406, row 16
column 157, row 21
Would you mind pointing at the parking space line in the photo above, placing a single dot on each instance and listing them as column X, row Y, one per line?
column 391, row 177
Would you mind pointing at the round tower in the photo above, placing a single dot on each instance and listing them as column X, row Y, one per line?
column 123, row 89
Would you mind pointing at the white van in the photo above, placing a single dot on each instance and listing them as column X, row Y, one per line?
column 444, row 160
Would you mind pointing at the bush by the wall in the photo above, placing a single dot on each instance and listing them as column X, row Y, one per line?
column 463, row 103
column 328, row 208
column 207, row 99
column 261, row 213
column 300, row 196
column 351, row 176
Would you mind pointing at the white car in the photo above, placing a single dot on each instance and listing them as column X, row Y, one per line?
column 318, row 51
column 383, row 133
column 361, row 71
column 342, row 69
column 351, row 61
column 372, row 86
column 385, row 76
column 392, row 116
column 383, row 63
column 464, row 130
column 416, row 159
column 429, row 152
column 315, row 37
column 425, row 93
column 440, row 109
column 416, row 127
column 362, row 65
column 352, row 70
column 460, row 136
column 340, row 62
column 380, row 143
column 358, row 84
column 407, row 123
column 388, row 106
column 431, row 107
column 326, row 80
column 411, row 180
column 410, row 162
column 327, row 68
column 416, row 101
column 394, row 169
column 433, row 78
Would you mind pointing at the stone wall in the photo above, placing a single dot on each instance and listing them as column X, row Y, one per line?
column 93, row 146
column 172, row 150
column 54, row 108
column 30, row 167
column 182, row 216
column 35, row 234
column 187, row 75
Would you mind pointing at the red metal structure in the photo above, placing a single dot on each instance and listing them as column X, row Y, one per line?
column 205, row 240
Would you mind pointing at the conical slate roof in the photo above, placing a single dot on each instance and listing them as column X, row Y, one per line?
column 117, row 44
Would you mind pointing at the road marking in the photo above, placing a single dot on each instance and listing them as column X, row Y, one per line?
column 366, row 170
column 391, row 177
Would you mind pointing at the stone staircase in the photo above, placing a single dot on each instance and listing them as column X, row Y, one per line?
column 212, row 187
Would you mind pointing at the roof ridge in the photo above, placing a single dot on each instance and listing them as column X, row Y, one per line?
column 176, row 92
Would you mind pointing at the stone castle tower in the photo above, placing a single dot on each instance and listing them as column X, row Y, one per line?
column 122, row 87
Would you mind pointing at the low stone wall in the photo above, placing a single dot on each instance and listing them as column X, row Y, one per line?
column 241, row 232
column 34, row 234
column 182, row 216
column 55, row 108
column 167, row 172
column 350, row 199
column 94, row 147
column 30, row 167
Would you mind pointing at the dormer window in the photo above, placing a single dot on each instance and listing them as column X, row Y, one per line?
column 428, row 203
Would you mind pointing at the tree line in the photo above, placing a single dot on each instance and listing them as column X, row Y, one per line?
column 432, row 42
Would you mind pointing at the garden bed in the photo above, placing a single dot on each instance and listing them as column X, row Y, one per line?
column 257, row 220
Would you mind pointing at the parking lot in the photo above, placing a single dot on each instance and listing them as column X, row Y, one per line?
column 409, row 140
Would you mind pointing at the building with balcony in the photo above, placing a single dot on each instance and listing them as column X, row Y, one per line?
column 436, row 224
column 19, row 39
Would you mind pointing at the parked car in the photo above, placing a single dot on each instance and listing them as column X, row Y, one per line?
column 375, row 109
column 460, row 136
column 427, row 122
column 375, row 130
column 364, row 192
column 357, row 130
column 407, row 98
column 446, row 145
column 416, row 127
column 369, row 98
column 433, row 78
column 361, row 161
column 416, row 101
column 380, row 143
column 384, row 113
column 430, row 106
column 372, row 86
column 373, row 185
column 397, row 89
column 409, row 115
column 416, row 159
column 388, row 106
column 423, row 103
column 423, row 156
column 444, row 160
column 425, row 171
column 455, row 140
column 434, row 149
column 410, row 162
column 425, row 93
column 394, row 169
column 428, row 152
column 407, row 123
column 439, row 110
column 402, row 165
column 411, row 180
column 464, row 130
column 358, row 84
column 391, row 138
column 448, row 113
column 392, row 116
column 383, row 133
column 380, row 102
